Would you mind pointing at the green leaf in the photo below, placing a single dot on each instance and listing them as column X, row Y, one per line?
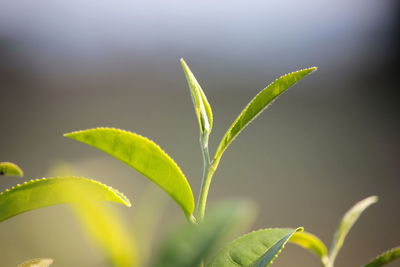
column 346, row 223
column 200, row 102
column 312, row 243
column 37, row 263
column 256, row 249
column 147, row 219
column 187, row 246
column 385, row 258
column 45, row 192
column 144, row 156
column 273, row 252
column 107, row 230
column 10, row 169
column 102, row 223
column 257, row 105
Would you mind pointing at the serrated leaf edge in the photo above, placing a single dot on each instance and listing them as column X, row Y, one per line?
column 383, row 254
column 146, row 139
column 287, row 237
column 37, row 259
column 219, row 151
column 263, row 229
column 117, row 193
column 129, row 133
column 298, row 229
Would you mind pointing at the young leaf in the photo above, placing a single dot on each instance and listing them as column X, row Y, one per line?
column 37, row 263
column 192, row 243
column 385, row 258
column 201, row 105
column 144, row 156
column 257, row 105
column 311, row 243
column 256, row 249
column 346, row 223
column 10, row 169
column 45, row 192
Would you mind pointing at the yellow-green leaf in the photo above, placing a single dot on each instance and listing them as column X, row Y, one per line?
column 200, row 102
column 348, row 220
column 144, row 156
column 102, row 223
column 45, row 192
column 108, row 232
column 10, row 169
column 385, row 258
column 257, row 105
column 312, row 243
column 37, row 263
column 147, row 219
column 256, row 249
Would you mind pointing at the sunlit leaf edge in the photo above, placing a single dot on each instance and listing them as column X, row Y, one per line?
column 275, row 249
column 244, row 236
column 119, row 197
column 10, row 169
column 188, row 210
column 39, row 262
column 227, row 139
column 311, row 243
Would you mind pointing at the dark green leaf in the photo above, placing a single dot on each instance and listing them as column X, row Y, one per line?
column 192, row 243
column 255, row 249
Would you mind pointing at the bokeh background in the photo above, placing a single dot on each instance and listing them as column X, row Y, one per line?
column 329, row 142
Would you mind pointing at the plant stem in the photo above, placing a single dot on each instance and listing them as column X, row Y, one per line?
column 208, row 172
column 331, row 257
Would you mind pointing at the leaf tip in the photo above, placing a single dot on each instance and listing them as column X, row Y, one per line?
column 10, row 169
column 186, row 68
column 372, row 200
column 183, row 63
column 368, row 201
column 68, row 135
column 310, row 69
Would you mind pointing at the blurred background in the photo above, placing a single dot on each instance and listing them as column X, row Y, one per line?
column 329, row 142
